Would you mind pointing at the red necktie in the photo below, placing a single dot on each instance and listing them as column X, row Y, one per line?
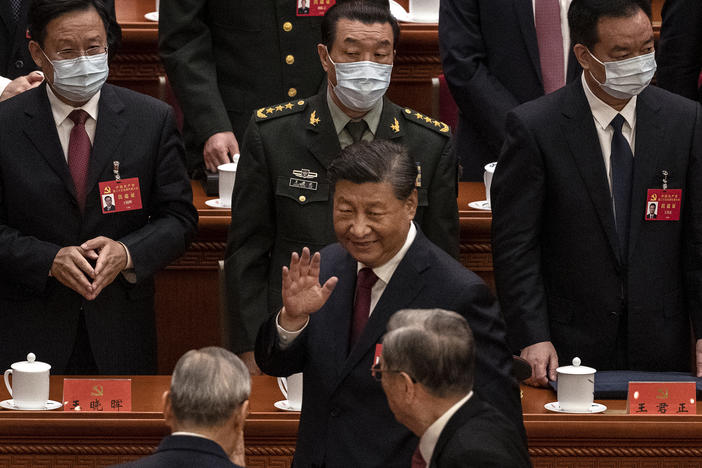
column 79, row 154
column 417, row 459
column 361, row 306
column 547, row 16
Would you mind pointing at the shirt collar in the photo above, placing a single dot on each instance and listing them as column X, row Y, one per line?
column 604, row 113
column 60, row 109
column 427, row 443
column 340, row 118
column 384, row 272
column 191, row 434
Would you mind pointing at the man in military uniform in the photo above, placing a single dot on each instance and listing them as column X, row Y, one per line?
column 226, row 58
column 282, row 199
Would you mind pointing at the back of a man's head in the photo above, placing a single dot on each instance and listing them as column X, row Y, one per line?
column 208, row 384
column 584, row 16
column 433, row 346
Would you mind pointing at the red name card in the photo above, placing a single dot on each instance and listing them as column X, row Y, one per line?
column 668, row 398
column 108, row 395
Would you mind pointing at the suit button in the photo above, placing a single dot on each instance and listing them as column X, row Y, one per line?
column 290, row 59
column 613, row 315
column 287, row 26
column 335, row 412
column 292, row 92
column 19, row 64
column 302, row 198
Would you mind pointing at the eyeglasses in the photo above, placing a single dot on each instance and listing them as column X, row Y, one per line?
column 377, row 373
column 69, row 54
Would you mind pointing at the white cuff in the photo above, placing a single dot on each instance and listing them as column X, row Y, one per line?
column 286, row 337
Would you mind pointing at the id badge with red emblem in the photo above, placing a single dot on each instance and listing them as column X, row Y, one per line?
column 120, row 195
column 663, row 205
column 313, row 7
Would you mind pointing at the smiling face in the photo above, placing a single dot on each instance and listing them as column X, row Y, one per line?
column 370, row 222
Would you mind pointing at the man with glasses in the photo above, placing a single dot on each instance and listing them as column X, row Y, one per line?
column 426, row 370
column 76, row 283
column 336, row 304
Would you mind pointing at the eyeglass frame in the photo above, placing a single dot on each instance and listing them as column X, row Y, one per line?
column 377, row 373
column 84, row 53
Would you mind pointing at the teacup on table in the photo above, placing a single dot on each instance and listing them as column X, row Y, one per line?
column 291, row 388
column 30, row 383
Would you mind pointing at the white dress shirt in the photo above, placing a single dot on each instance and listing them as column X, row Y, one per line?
column 602, row 114
column 565, row 30
column 427, row 443
column 384, row 274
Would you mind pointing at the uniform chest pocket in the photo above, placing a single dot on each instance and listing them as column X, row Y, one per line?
column 302, row 191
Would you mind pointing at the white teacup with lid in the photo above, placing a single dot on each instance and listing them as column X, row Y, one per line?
column 30, row 383
column 576, row 387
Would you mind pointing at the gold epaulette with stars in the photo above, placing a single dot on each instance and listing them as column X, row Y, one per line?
column 278, row 110
column 418, row 117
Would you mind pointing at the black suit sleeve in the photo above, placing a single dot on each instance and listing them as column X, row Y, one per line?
column 249, row 243
column 440, row 221
column 680, row 48
column 172, row 216
column 185, row 45
column 477, row 92
column 271, row 358
column 518, row 197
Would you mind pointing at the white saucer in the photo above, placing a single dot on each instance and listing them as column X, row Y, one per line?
column 480, row 205
column 216, row 203
column 285, row 406
column 595, row 408
column 153, row 16
column 49, row 405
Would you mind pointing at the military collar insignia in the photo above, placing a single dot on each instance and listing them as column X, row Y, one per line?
column 395, row 126
column 314, row 120
column 426, row 121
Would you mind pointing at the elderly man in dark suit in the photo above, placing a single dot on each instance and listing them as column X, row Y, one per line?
column 579, row 270
column 680, row 48
column 336, row 305
column 497, row 54
column 76, row 283
column 206, row 408
column 426, row 370
column 282, row 201
column 17, row 69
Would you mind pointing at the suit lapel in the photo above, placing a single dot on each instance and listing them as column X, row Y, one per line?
column 525, row 15
column 649, row 134
column 454, row 423
column 41, row 131
column 405, row 285
column 580, row 132
column 340, row 318
column 108, row 134
column 323, row 141
column 391, row 124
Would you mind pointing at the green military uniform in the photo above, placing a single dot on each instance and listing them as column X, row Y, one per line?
column 282, row 200
column 225, row 58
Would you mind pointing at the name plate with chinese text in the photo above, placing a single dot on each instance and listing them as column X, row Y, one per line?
column 97, row 395
column 662, row 398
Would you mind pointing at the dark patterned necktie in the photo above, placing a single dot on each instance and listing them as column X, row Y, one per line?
column 622, row 172
column 361, row 306
column 16, row 9
column 79, row 149
column 417, row 459
column 356, row 129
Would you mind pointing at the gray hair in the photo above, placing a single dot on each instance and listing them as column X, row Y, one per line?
column 375, row 161
column 207, row 385
column 435, row 347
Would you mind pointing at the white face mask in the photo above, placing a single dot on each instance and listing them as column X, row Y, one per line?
column 359, row 85
column 627, row 78
column 78, row 79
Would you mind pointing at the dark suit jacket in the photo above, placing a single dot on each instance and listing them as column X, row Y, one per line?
column 271, row 218
column 557, row 268
column 680, row 48
column 345, row 417
column 181, row 451
column 15, row 59
column 39, row 215
column 490, row 58
column 479, row 436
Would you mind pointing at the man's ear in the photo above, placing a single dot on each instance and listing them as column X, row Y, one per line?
column 411, row 203
column 168, row 409
column 408, row 386
column 582, row 55
column 241, row 412
column 37, row 55
column 323, row 56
